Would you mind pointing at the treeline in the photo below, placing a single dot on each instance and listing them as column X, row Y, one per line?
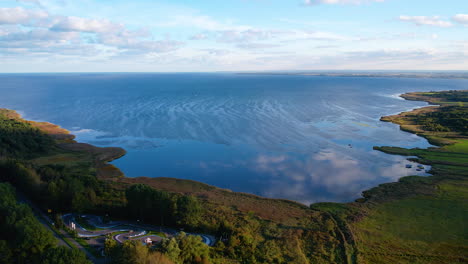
column 21, row 140
column 132, row 251
column 180, row 249
column 447, row 119
column 62, row 189
column 23, row 239
column 449, row 96
column 162, row 208
column 246, row 239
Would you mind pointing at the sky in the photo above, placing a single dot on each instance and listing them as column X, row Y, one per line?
column 232, row 35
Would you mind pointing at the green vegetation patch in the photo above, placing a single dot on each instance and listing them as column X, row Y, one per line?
column 461, row 146
column 20, row 139
column 426, row 227
column 422, row 219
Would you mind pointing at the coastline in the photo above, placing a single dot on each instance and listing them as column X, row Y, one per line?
column 66, row 141
column 107, row 171
column 417, row 75
column 381, row 227
column 419, row 219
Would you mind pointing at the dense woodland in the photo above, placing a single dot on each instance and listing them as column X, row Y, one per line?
column 448, row 119
column 24, row 240
column 449, row 96
column 20, row 139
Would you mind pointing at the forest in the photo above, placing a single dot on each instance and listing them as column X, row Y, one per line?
column 24, row 240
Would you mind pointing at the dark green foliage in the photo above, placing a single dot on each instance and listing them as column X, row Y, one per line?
column 160, row 207
column 5, row 252
column 133, row 252
column 20, row 175
column 189, row 211
column 447, row 119
column 57, row 187
column 25, row 236
column 58, row 221
column 186, row 249
column 23, row 239
column 63, row 255
column 449, row 96
column 21, row 140
column 150, row 205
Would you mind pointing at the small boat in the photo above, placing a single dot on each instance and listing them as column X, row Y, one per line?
column 420, row 167
column 409, row 166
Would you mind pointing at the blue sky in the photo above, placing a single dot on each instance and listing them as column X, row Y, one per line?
column 232, row 35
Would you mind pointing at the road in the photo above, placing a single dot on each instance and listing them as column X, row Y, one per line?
column 47, row 222
column 133, row 231
column 42, row 218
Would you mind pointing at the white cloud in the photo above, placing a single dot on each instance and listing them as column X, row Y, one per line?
column 47, row 33
column 314, row 35
column 461, row 18
column 426, row 20
column 201, row 22
column 333, row 2
column 246, row 35
column 19, row 15
column 86, row 25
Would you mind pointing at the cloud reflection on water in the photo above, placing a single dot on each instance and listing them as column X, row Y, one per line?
column 328, row 175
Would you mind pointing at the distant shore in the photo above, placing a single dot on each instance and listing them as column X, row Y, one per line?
column 422, row 75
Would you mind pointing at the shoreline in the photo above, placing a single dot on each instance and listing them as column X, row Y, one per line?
column 107, row 171
column 66, row 141
column 380, row 227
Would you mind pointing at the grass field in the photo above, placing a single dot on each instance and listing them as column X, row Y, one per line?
column 421, row 229
column 460, row 147
column 420, row 220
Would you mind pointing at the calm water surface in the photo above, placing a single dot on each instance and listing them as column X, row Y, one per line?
column 303, row 138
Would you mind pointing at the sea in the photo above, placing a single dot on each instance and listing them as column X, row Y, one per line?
column 303, row 138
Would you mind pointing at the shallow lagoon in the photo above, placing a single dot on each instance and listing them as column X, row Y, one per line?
column 304, row 138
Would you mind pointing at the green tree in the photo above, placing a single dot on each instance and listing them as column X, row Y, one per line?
column 134, row 252
column 110, row 247
column 192, row 248
column 63, row 255
column 5, row 253
column 185, row 249
column 271, row 252
column 189, row 211
column 32, row 239
column 171, row 248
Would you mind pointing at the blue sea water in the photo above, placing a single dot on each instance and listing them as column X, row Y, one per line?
column 304, row 138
